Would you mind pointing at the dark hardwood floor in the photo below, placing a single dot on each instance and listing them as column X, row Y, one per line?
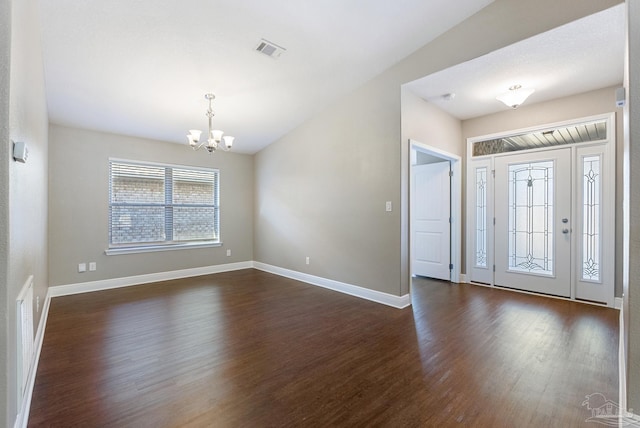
column 251, row 349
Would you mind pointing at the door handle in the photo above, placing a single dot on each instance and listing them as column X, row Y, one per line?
column 565, row 230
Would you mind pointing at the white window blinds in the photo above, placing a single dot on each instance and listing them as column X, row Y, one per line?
column 151, row 204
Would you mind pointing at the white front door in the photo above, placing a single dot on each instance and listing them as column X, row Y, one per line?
column 431, row 202
column 532, row 222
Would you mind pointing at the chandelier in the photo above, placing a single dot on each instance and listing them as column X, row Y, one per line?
column 214, row 136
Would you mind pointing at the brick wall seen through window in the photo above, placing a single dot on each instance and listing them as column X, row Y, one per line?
column 151, row 204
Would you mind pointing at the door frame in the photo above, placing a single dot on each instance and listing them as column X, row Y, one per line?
column 456, row 205
column 609, row 163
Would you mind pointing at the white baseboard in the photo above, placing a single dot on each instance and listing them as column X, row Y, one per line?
column 626, row 418
column 23, row 416
column 622, row 364
column 107, row 284
column 353, row 290
column 617, row 303
column 462, row 279
column 399, row 302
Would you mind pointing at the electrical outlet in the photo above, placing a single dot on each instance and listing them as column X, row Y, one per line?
column 37, row 303
column 228, row 253
column 82, row 267
column 389, row 206
column 92, row 266
column 307, row 261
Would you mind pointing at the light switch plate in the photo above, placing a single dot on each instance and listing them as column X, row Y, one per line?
column 20, row 151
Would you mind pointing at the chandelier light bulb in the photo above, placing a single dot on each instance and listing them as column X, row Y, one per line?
column 216, row 134
column 228, row 142
column 195, row 134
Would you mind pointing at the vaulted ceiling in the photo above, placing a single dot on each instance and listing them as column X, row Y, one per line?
column 142, row 67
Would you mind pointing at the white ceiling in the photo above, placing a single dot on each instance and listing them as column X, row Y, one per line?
column 142, row 67
column 584, row 55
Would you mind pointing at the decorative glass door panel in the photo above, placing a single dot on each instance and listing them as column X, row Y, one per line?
column 532, row 210
column 481, row 216
column 595, row 232
column 480, row 241
column 591, row 218
column 531, row 218
column 541, row 210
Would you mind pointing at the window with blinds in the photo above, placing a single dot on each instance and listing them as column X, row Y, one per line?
column 152, row 204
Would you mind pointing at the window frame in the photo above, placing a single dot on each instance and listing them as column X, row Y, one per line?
column 167, row 205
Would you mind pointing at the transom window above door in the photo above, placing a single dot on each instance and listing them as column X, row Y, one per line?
column 587, row 132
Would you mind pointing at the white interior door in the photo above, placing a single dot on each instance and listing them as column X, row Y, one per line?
column 533, row 228
column 431, row 204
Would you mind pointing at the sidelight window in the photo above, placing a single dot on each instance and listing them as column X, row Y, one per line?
column 591, row 183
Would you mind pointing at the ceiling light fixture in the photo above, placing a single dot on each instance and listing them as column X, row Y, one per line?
column 516, row 96
column 214, row 136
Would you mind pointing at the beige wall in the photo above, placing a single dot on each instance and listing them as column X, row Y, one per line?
column 26, row 229
column 428, row 124
column 592, row 103
column 5, row 156
column 78, row 205
column 320, row 190
column 632, row 210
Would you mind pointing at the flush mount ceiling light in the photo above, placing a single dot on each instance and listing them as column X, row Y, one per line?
column 516, row 96
column 214, row 136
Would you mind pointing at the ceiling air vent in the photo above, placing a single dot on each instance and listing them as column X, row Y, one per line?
column 270, row 49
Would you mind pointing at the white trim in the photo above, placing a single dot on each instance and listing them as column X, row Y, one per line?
column 23, row 417
column 608, row 151
column 456, row 209
column 535, row 128
column 116, row 251
column 399, row 302
column 463, row 279
column 107, row 284
column 353, row 290
column 617, row 303
column 628, row 418
column 622, row 363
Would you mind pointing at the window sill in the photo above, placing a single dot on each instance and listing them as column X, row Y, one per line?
column 166, row 247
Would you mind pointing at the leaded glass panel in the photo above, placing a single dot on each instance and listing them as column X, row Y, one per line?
column 531, row 218
column 481, row 217
column 591, row 207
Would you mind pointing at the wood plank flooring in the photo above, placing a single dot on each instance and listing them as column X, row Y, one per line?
column 251, row 349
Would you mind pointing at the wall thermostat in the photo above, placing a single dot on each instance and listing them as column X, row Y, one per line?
column 20, row 151
column 621, row 97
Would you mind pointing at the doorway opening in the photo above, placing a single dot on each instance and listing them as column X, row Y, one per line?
column 541, row 210
column 446, row 253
